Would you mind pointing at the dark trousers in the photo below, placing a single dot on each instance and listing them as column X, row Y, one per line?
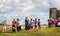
column 56, row 25
column 18, row 28
column 35, row 26
column 13, row 28
column 38, row 25
column 27, row 27
column 49, row 25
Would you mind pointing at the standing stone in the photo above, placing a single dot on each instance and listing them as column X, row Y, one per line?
column 53, row 13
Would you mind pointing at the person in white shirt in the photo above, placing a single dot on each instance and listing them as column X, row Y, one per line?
column 4, row 26
column 31, row 23
column 18, row 25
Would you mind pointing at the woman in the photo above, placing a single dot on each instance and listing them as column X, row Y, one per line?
column 58, row 22
column 38, row 23
column 4, row 26
column 31, row 23
column 52, row 22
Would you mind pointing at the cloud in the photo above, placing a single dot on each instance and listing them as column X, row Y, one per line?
column 41, row 3
column 24, row 8
column 55, row 3
column 40, row 6
column 3, row 6
column 4, row 9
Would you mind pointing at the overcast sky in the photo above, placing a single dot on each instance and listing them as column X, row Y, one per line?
column 10, row 9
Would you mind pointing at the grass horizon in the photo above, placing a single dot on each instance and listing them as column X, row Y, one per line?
column 36, row 32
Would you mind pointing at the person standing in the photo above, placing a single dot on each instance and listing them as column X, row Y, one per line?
column 39, row 23
column 4, row 26
column 35, row 22
column 49, row 25
column 31, row 23
column 14, row 22
column 26, row 23
column 52, row 22
column 58, row 22
column 18, row 25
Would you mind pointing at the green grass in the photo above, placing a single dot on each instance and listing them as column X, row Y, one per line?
column 36, row 32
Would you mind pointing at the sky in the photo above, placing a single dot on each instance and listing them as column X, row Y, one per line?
column 10, row 9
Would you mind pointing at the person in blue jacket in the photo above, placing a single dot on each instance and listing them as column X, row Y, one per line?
column 26, row 23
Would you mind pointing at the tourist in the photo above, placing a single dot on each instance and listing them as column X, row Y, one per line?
column 18, row 25
column 31, row 23
column 26, row 23
column 4, row 26
column 39, row 23
column 58, row 22
column 49, row 25
column 14, row 25
column 52, row 22
column 35, row 22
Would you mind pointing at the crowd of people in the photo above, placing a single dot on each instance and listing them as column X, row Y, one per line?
column 29, row 24
column 16, row 24
column 53, row 22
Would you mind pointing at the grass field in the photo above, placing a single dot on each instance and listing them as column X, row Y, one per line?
column 8, row 28
column 35, row 32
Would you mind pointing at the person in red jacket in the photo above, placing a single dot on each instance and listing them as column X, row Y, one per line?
column 14, row 25
column 52, row 22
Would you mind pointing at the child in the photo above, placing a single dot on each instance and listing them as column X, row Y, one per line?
column 4, row 26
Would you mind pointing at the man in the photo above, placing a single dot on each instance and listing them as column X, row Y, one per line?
column 26, row 23
column 14, row 25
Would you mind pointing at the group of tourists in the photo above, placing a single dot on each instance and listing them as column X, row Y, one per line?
column 31, row 24
column 16, row 24
column 53, row 22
